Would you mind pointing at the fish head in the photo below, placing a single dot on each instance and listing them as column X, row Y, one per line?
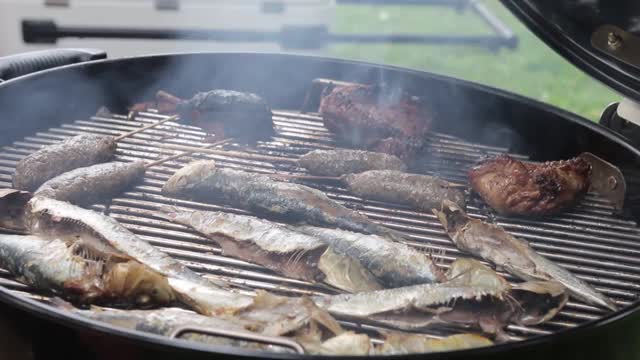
column 189, row 176
column 12, row 210
column 138, row 284
column 538, row 301
column 470, row 272
column 452, row 217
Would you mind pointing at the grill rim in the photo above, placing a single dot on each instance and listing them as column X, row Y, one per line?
column 51, row 313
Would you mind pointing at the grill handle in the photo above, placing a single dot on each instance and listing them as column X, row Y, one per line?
column 26, row 63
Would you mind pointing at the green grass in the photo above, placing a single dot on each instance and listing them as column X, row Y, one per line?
column 532, row 69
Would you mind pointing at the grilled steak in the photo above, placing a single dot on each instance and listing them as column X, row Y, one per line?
column 375, row 118
column 512, row 187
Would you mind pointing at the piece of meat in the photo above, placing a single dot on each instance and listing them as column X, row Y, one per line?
column 243, row 116
column 512, row 187
column 377, row 118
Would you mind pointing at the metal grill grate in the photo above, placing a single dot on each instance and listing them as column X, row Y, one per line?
column 597, row 246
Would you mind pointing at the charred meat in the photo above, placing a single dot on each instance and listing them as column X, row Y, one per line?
column 243, row 116
column 264, row 196
column 422, row 192
column 512, row 187
column 339, row 162
column 53, row 160
column 96, row 183
column 376, row 118
column 494, row 244
column 276, row 247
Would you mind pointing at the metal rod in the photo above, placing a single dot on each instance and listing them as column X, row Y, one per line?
column 160, row 122
column 185, row 153
column 237, row 154
column 241, row 335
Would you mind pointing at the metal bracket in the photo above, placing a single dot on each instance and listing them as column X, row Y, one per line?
column 241, row 335
column 606, row 180
column 617, row 43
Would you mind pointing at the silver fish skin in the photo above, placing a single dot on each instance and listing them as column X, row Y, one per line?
column 338, row 162
column 403, row 344
column 393, row 263
column 474, row 296
column 497, row 246
column 104, row 235
column 165, row 321
column 56, row 267
column 467, row 280
column 276, row 247
column 421, row 192
column 53, row 160
column 93, row 184
column 203, row 181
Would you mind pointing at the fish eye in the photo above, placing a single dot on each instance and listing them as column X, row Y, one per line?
column 143, row 300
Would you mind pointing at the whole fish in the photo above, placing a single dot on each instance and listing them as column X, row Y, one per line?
column 473, row 297
column 393, row 263
column 53, row 160
column 271, row 316
column 339, row 162
column 103, row 236
column 260, row 194
column 497, row 246
column 276, row 247
column 96, row 183
column 54, row 266
column 422, row 192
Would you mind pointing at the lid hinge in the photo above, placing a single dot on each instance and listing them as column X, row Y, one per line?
column 58, row 3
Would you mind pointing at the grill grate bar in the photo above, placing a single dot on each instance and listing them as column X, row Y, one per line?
column 588, row 240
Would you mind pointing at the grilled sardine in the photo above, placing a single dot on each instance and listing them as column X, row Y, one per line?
column 53, row 160
column 494, row 244
column 260, row 194
column 422, row 192
column 392, row 263
column 103, row 235
column 473, row 297
column 276, row 247
column 55, row 267
column 96, row 183
column 339, row 162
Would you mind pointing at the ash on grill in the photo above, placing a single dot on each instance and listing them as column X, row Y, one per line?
column 588, row 240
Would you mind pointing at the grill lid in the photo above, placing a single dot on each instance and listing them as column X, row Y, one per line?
column 601, row 37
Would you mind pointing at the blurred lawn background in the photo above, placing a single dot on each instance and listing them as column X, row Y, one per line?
column 532, row 69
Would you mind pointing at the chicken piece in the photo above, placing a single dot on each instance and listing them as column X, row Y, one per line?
column 512, row 187
column 376, row 118
column 225, row 113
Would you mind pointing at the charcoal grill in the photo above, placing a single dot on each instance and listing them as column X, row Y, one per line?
column 472, row 121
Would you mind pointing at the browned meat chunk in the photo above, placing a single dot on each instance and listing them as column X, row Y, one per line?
column 513, row 187
column 373, row 117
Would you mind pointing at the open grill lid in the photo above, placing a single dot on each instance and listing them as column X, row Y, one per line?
column 601, row 37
